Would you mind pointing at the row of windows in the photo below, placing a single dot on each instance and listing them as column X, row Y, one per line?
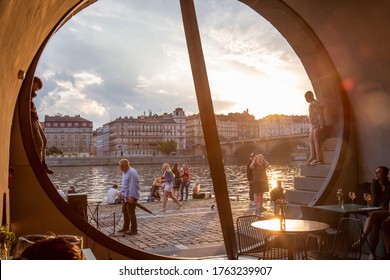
column 67, row 144
column 67, row 130
column 68, row 124
column 68, row 136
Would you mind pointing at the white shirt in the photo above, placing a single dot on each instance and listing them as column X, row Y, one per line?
column 112, row 195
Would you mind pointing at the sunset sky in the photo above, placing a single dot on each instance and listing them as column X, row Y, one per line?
column 126, row 58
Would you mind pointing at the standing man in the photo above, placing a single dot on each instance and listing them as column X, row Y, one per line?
column 249, row 176
column 130, row 192
column 39, row 136
column 317, row 120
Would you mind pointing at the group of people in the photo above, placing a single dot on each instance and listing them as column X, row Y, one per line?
column 180, row 183
column 71, row 189
column 130, row 191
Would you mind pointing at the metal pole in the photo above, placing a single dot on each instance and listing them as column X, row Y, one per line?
column 209, row 126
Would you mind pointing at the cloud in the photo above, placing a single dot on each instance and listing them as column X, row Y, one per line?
column 122, row 58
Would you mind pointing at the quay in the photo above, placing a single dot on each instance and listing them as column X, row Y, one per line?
column 194, row 231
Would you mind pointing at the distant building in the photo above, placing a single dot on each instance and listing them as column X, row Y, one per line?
column 279, row 125
column 71, row 134
column 231, row 127
column 129, row 136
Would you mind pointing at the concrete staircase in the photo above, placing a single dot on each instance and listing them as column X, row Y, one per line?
column 310, row 181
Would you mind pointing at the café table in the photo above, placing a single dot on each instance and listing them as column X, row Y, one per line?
column 291, row 229
column 348, row 209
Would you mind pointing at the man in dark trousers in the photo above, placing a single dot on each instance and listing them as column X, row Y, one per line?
column 249, row 176
column 130, row 193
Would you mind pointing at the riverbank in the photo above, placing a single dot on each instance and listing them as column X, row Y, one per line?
column 194, row 231
column 101, row 161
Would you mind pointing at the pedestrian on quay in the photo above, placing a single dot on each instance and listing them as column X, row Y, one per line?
column 176, row 186
column 185, row 175
column 168, row 180
column 130, row 192
column 260, row 180
column 39, row 136
column 249, row 176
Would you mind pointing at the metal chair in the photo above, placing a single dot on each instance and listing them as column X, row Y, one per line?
column 254, row 242
column 325, row 238
column 344, row 245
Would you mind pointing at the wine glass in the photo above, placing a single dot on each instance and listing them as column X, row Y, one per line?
column 352, row 196
column 367, row 197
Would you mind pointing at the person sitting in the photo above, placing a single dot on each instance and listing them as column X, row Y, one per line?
column 154, row 191
column 53, row 248
column 276, row 195
column 380, row 193
column 61, row 192
column 196, row 194
column 113, row 195
column 72, row 190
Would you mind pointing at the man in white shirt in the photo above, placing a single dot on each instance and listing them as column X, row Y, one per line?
column 130, row 191
column 113, row 195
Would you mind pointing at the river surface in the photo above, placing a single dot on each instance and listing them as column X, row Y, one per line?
column 96, row 180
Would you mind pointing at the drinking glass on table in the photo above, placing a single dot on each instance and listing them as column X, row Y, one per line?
column 367, row 197
column 352, row 196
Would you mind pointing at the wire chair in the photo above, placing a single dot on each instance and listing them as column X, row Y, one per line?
column 323, row 238
column 344, row 245
column 277, row 247
column 253, row 241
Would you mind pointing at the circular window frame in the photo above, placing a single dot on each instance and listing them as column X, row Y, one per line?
column 311, row 52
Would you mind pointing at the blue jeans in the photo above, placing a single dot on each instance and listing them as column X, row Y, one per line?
column 182, row 186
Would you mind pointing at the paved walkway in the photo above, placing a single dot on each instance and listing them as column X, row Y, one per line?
column 194, row 231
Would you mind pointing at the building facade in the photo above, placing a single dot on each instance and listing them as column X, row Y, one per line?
column 73, row 135
column 140, row 136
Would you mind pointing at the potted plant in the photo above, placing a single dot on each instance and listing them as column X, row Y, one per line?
column 7, row 239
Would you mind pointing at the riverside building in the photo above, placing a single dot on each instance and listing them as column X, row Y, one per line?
column 140, row 136
column 71, row 134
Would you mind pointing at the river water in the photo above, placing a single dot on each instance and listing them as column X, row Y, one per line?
column 96, row 180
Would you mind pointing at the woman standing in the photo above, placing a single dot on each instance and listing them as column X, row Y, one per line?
column 260, row 180
column 176, row 185
column 185, row 181
column 168, row 181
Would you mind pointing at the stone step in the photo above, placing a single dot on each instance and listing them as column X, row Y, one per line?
column 321, row 170
column 313, row 184
column 329, row 144
column 293, row 210
column 299, row 196
column 327, row 157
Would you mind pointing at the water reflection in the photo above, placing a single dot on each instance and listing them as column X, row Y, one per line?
column 96, row 180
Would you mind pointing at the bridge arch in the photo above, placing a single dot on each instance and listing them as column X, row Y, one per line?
column 287, row 151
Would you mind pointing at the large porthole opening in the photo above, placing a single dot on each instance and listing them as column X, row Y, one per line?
column 103, row 239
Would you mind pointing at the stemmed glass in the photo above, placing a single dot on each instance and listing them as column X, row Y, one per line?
column 352, row 196
column 367, row 197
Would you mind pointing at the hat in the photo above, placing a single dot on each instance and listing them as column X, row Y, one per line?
column 252, row 155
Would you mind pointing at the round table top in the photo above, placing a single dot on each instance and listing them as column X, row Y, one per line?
column 292, row 226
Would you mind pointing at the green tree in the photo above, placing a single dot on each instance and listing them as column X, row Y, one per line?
column 54, row 151
column 167, row 147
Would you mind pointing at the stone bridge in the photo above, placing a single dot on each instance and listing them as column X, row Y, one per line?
column 287, row 147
